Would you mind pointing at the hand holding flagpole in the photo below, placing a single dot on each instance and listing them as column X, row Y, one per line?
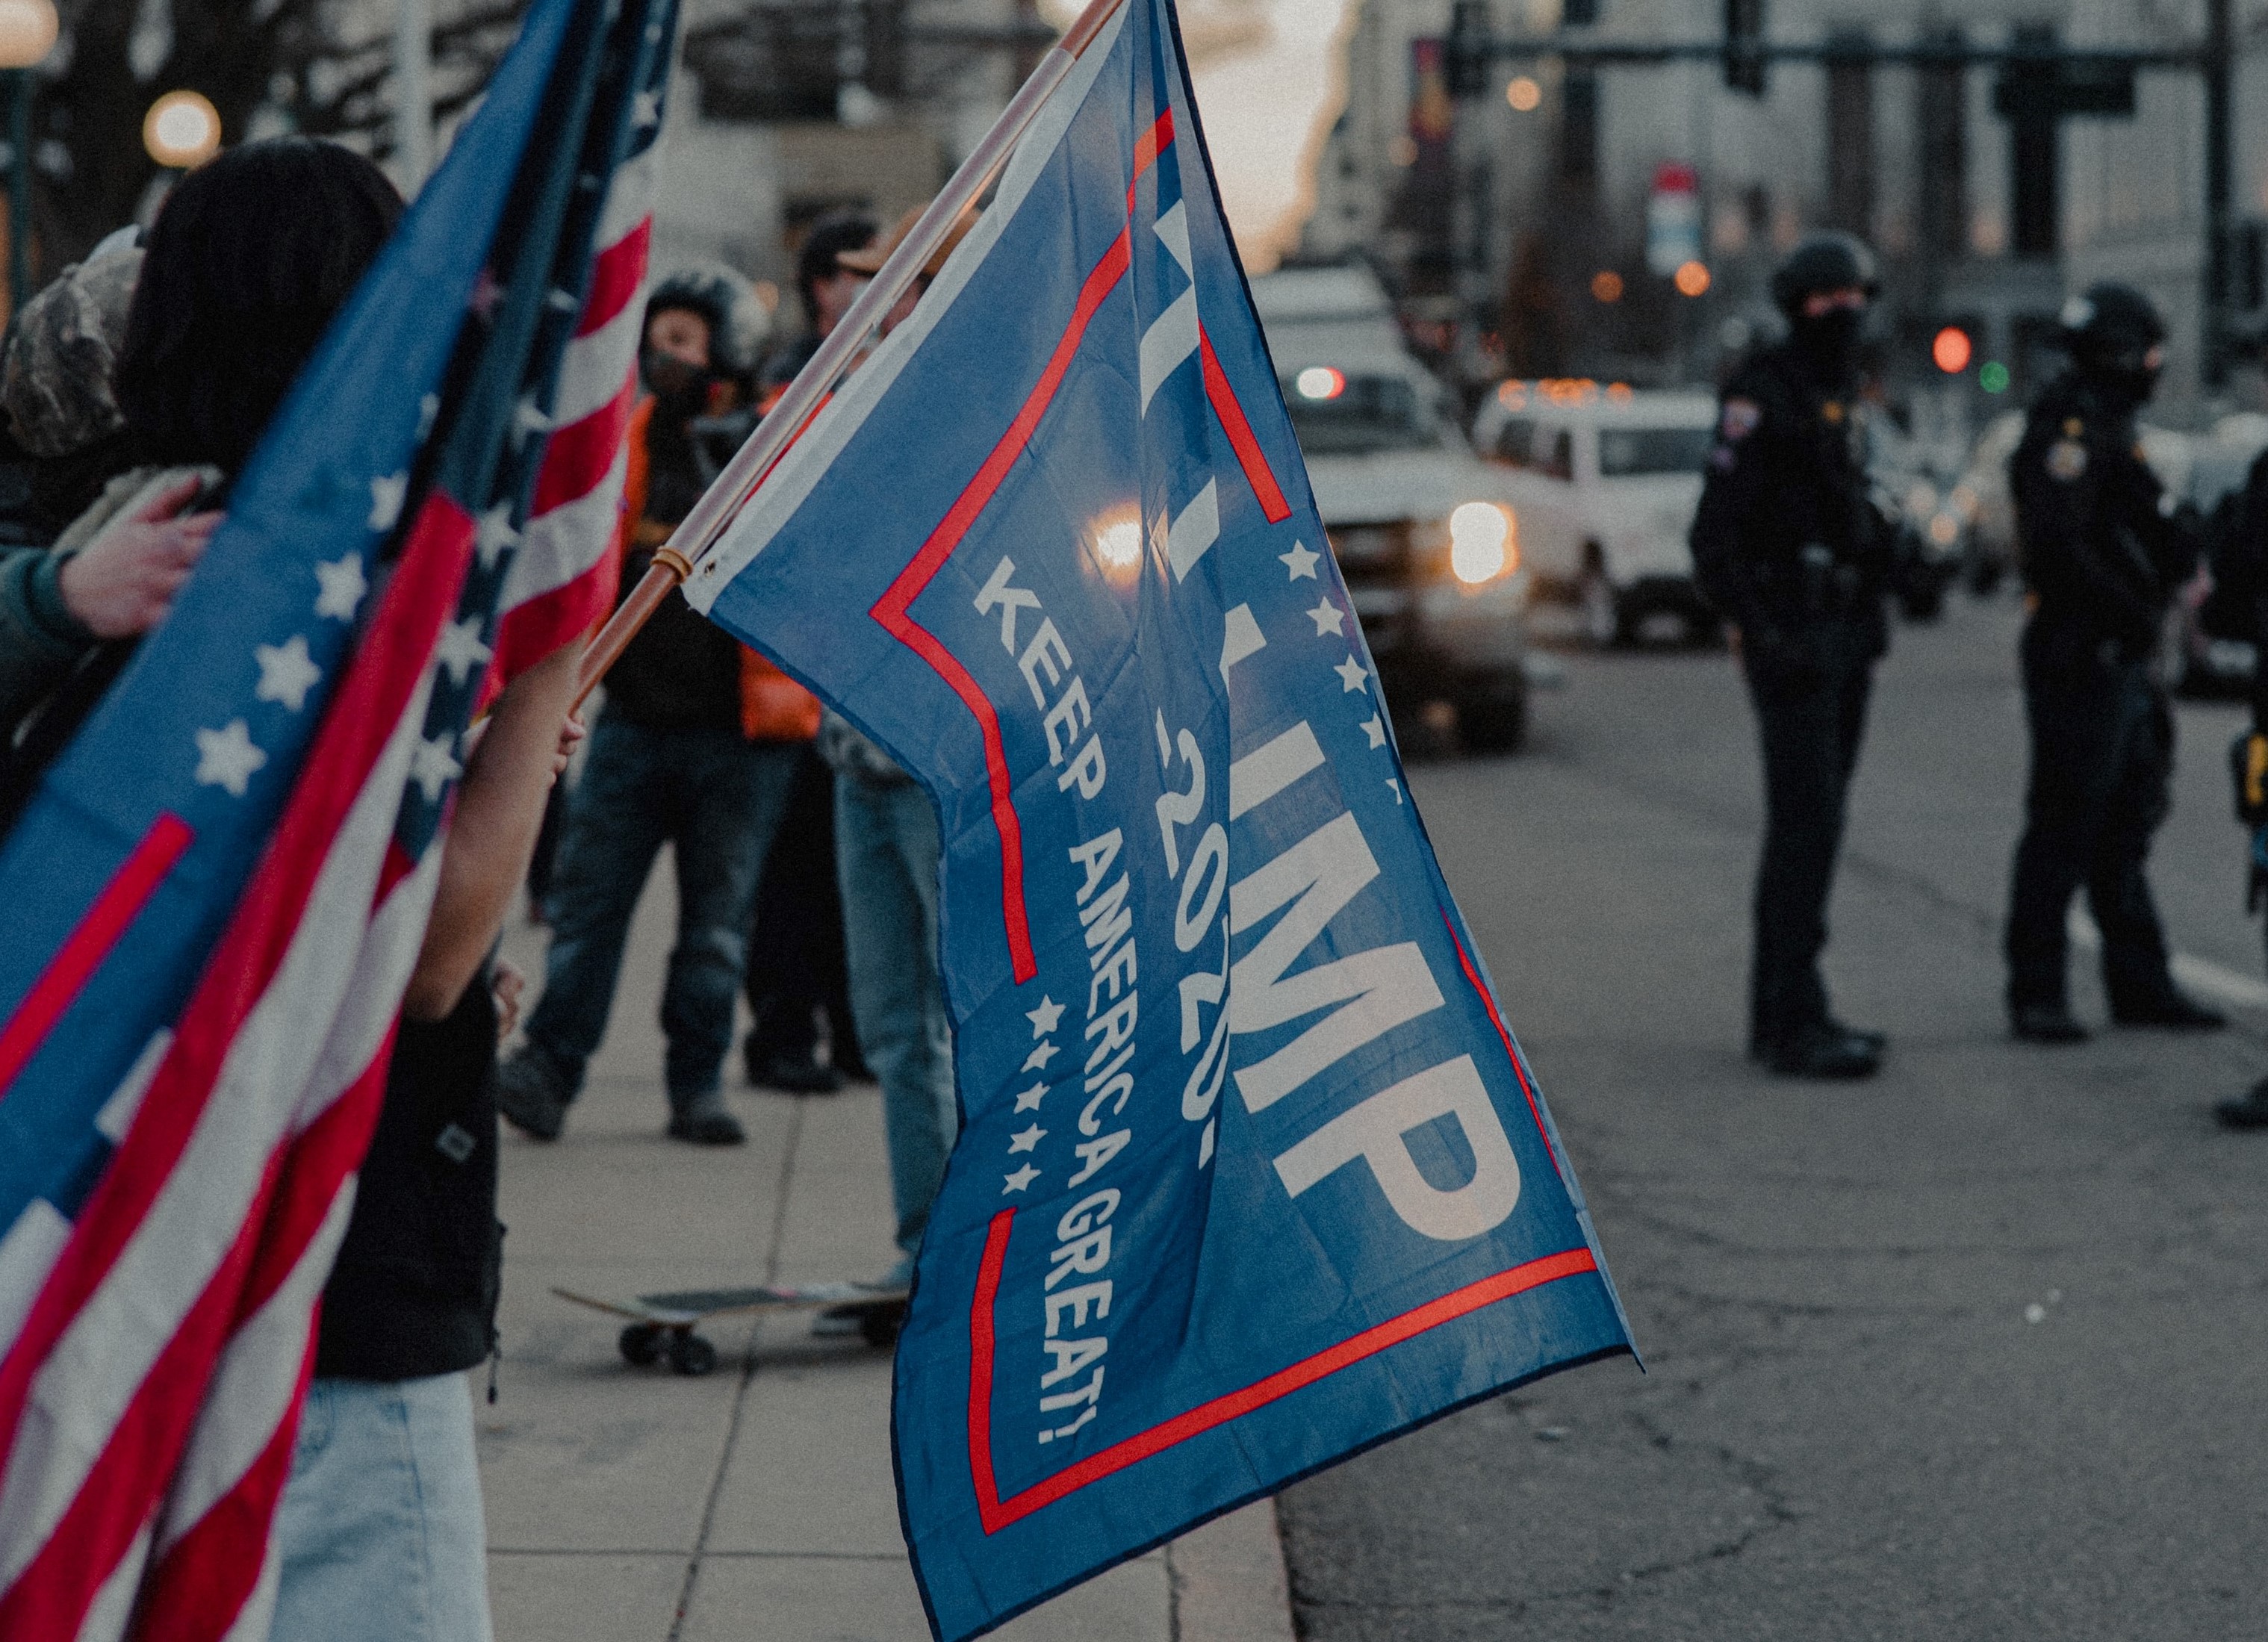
column 690, row 542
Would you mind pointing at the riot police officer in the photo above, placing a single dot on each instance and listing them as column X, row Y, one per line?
column 1791, row 552
column 2104, row 550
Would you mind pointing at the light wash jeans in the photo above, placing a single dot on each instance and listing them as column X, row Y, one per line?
column 719, row 799
column 886, row 845
column 379, row 1534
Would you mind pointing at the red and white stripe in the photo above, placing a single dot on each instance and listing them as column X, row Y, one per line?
column 153, row 1391
column 564, row 577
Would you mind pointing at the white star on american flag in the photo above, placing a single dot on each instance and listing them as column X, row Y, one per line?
column 1029, row 1100
column 461, row 649
column 496, row 534
column 1044, row 1018
column 1030, row 1138
column 1301, row 561
column 287, row 673
column 226, row 758
column 386, row 494
column 433, row 766
column 1375, row 729
column 1038, row 1059
column 1330, row 620
column 343, row 586
column 1019, row 1180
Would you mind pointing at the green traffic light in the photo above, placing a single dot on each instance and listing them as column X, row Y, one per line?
column 1993, row 378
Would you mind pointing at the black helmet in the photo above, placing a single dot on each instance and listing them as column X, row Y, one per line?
column 2110, row 327
column 737, row 323
column 1822, row 262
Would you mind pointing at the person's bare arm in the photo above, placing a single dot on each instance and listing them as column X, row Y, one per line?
column 499, row 811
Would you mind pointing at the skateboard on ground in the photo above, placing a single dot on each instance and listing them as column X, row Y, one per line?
column 661, row 1325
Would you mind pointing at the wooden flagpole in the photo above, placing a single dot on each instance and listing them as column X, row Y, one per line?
column 702, row 528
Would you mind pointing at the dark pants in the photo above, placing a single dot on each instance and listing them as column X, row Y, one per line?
column 2103, row 755
column 1809, row 722
column 796, row 970
column 717, row 799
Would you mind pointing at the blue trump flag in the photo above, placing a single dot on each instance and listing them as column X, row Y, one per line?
column 1251, row 1175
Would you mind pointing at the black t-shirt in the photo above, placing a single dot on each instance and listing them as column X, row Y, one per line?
column 414, row 1293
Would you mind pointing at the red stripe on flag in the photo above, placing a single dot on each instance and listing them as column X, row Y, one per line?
column 616, row 273
column 997, row 1514
column 362, row 717
column 1497, row 1021
column 82, row 951
column 1147, row 147
column 533, row 629
column 891, row 609
column 1234, row 421
column 582, row 453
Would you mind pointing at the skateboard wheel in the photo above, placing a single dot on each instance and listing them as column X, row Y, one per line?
column 641, row 1345
column 690, row 1354
column 879, row 1327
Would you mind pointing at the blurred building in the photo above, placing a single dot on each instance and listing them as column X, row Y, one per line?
column 786, row 109
column 1509, row 208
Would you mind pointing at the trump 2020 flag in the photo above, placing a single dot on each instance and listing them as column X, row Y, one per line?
column 217, row 896
column 1251, row 1175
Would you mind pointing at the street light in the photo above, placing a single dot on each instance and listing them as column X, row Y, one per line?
column 1691, row 279
column 27, row 33
column 182, row 129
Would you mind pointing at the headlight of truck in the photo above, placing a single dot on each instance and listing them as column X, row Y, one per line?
column 1483, row 542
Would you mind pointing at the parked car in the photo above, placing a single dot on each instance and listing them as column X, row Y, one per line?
column 1423, row 530
column 1605, row 482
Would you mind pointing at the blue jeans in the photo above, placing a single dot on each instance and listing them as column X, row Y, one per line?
column 379, row 1536
column 886, row 844
column 718, row 798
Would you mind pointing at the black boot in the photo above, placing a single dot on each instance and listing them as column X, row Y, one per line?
column 2170, row 1010
column 2045, row 1023
column 2248, row 1110
column 705, row 1121
column 531, row 1095
column 1821, row 1051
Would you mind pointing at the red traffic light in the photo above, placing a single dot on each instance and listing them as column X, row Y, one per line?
column 1951, row 350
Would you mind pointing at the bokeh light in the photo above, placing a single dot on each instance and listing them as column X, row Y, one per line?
column 1480, row 542
column 27, row 31
column 1320, row 382
column 1524, row 94
column 1993, row 378
column 1950, row 349
column 1691, row 279
column 1607, row 285
column 182, row 129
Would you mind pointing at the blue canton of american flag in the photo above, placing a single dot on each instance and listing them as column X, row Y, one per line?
column 219, row 893
column 1251, row 1175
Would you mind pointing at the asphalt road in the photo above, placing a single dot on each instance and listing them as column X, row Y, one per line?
column 1977, row 1350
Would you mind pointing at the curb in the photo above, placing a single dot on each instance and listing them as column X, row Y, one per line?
column 1228, row 1579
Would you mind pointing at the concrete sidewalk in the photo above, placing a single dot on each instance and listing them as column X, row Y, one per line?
column 637, row 1505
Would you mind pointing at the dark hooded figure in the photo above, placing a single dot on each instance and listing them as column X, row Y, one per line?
column 1790, row 551
column 2104, row 552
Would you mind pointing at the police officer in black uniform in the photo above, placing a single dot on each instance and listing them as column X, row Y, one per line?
column 2104, row 551
column 1789, row 549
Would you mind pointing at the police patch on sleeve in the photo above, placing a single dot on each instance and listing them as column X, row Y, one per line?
column 2067, row 460
column 1740, row 420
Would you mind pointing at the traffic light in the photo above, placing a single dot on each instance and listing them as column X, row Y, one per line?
column 1471, row 38
column 1744, row 41
column 1950, row 350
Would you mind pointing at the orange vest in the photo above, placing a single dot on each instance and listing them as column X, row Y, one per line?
column 773, row 706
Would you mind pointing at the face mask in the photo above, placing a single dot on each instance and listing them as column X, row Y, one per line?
column 681, row 387
column 1830, row 340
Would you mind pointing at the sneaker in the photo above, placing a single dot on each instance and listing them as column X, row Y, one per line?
column 530, row 1095
column 2045, row 1023
column 2248, row 1110
column 2170, row 1010
column 704, row 1121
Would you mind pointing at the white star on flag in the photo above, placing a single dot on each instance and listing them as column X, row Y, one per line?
column 645, row 109
column 1029, row 1100
column 530, row 419
column 1301, row 560
column 461, row 649
column 1330, row 620
column 287, row 673
column 433, row 766
column 227, row 758
column 495, row 535
column 343, row 586
column 1396, row 785
column 1019, row 1180
column 1038, row 1059
column 1044, row 1018
column 1351, row 673
column 387, row 492
column 1027, row 1139
column 1375, row 729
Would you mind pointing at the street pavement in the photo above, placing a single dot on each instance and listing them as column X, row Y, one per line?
column 1975, row 1350
column 631, row 1504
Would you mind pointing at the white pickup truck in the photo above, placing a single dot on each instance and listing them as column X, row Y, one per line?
column 1605, row 482
column 1421, row 527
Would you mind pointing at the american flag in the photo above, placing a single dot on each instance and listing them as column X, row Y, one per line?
column 218, row 894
